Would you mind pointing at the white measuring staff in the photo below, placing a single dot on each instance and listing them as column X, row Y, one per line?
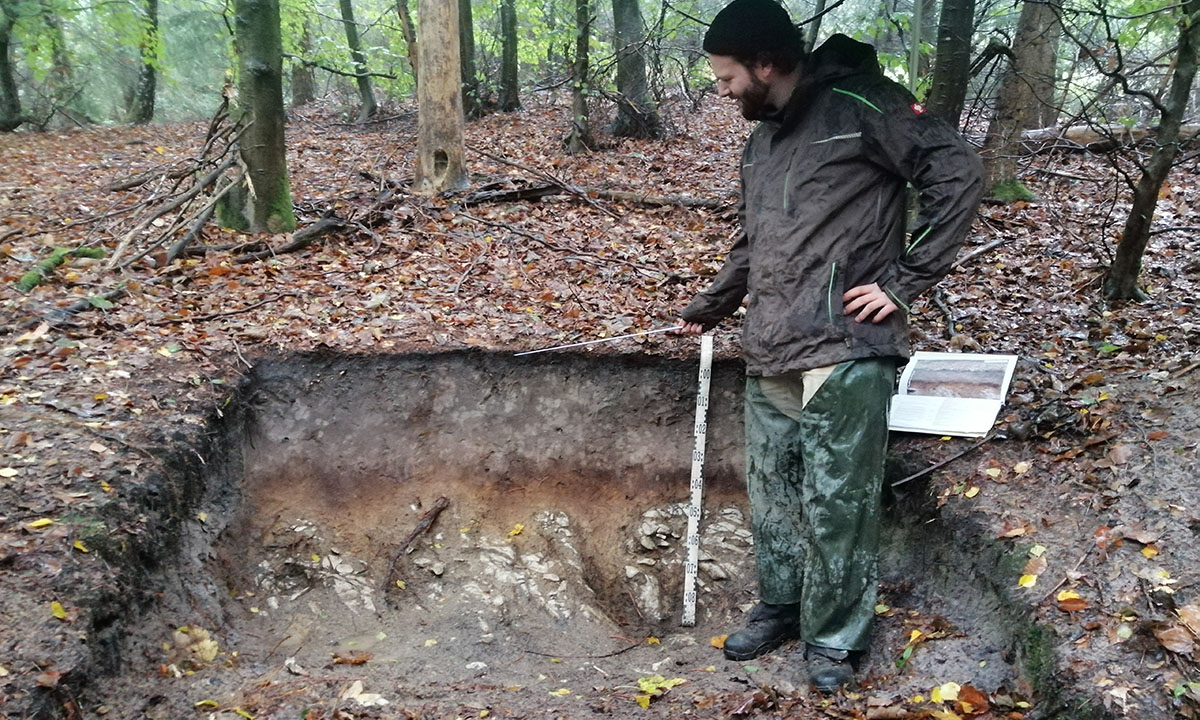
column 692, row 564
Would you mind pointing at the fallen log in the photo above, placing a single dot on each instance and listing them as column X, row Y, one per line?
column 1096, row 138
column 539, row 191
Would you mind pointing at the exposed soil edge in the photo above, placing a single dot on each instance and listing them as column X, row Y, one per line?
column 965, row 546
column 141, row 530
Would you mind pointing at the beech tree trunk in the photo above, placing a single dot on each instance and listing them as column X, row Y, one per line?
column 1016, row 99
column 264, row 203
column 1042, row 69
column 142, row 110
column 472, row 102
column 440, row 165
column 367, row 106
column 952, row 60
column 10, row 101
column 579, row 136
column 1121, row 282
column 304, row 83
column 408, row 30
column 510, row 94
column 636, row 114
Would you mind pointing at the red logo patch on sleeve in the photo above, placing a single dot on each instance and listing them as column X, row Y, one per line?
column 918, row 108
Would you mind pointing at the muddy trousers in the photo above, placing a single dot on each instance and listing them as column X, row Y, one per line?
column 814, row 482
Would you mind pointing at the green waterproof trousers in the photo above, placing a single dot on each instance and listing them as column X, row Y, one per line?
column 814, row 483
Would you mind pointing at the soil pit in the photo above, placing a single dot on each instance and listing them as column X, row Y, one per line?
column 470, row 532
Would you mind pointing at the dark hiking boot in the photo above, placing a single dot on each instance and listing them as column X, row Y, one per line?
column 767, row 628
column 829, row 669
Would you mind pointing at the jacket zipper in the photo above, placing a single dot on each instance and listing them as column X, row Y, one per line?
column 829, row 292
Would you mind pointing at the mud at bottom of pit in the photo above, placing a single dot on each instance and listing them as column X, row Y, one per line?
column 324, row 574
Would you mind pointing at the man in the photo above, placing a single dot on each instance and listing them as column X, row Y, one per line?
column 824, row 259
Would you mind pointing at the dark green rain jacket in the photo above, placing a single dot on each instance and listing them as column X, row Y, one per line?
column 823, row 210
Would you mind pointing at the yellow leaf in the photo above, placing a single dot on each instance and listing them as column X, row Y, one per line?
column 58, row 611
column 561, row 692
column 1027, row 581
column 718, row 641
column 401, row 584
column 100, row 397
column 917, row 699
column 1149, row 551
column 882, row 609
column 1068, row 595
column 81, row 547
column 653, row 640
column 160, row 150
column 643, row 700
column 485, row 713
column 243, row 713
column 1037, row 550
column 993, row 472
column 40, row 523
column 202, row 517
column 430, row 643
column 948, row 692
column 912, row 637
column 316, row 558
column 517, row 530
column 207, row 704
column 972, row 492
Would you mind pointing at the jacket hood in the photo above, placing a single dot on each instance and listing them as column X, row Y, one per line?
column 840, row 56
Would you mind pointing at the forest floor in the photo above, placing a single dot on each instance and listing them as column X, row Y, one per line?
column 1079, row 514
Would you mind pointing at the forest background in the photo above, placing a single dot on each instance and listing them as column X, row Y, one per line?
column 199, row 181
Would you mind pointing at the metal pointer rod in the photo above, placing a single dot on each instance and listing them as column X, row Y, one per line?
column 601, row 340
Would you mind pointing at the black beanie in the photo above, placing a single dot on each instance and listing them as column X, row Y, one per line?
column 748, row 27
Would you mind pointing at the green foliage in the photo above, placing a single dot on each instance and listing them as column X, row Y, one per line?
column 45, row 267
column 1011, row 191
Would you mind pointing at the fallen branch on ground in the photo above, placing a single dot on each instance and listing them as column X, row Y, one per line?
column 223, row 313
column 300, row 240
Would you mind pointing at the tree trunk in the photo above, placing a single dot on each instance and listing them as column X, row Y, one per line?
column 1016, row 99
column 61, row 71
column 1121, row 282
column 264, row 204
column 440, row 165
column 142, row 111
column 471, row 100
column 304, row 83
column 510, row 94
column 1043, row 69
column 917, row 32
column 408, row 30
column 952, row 61
column 10, row 101
column 579, row 136
column 636, row 114
column 814, row 28
column 929, row 28
column 368, row 108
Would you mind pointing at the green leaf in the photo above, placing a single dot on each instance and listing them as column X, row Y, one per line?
column 101, row 303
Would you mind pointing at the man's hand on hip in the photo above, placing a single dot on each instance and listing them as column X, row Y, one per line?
column 870, row 302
